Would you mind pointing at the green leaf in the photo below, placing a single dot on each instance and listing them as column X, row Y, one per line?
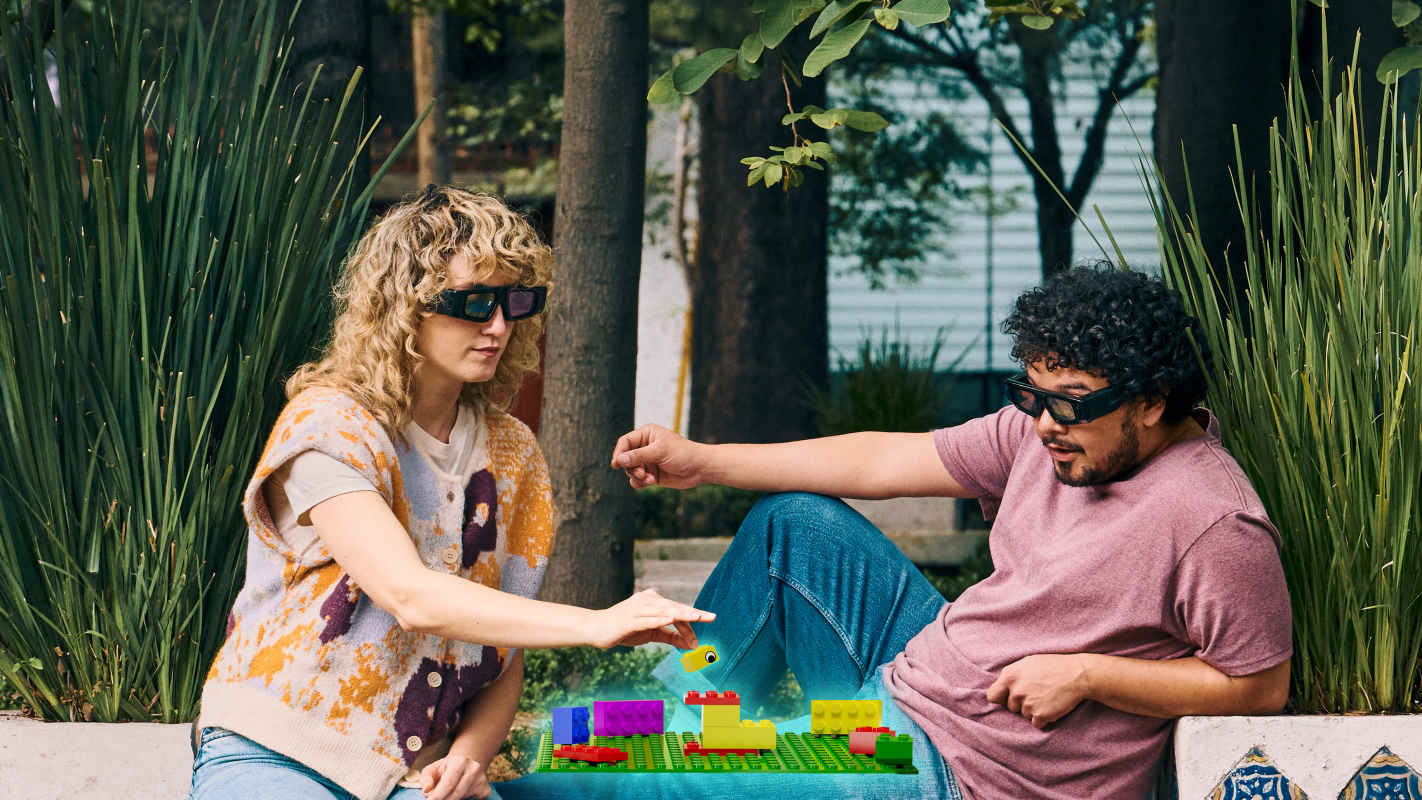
column 833, row 13
column 794, row 155
column 752, row 47
column 756, row 173
column 866, row 121
column 922, row 12
column 822, row 150
column 663, row 91
column 1404, row 12
column 747, row 70
column 773, row 174
column 782, row 18
column 1399, row 62
column 692, row 74
column 834, row 46
column 887, row 18
column 1037, row 22
column 829, row 119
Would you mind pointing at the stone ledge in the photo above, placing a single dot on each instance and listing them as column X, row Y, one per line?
column 1319, row 754
column 65, row 760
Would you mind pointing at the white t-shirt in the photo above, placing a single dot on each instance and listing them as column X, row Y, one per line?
column 312, row 477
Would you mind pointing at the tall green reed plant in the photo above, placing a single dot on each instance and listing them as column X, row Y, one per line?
column 1315, row 382
column 890, row 386
column 169, row 226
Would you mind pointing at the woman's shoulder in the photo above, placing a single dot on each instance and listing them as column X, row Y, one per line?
column 506, row 426
column 324, row 410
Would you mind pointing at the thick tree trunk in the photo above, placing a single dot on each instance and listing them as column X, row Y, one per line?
column 427, row 51
column 1054, row 219
column 592, row 330
column 759, row 333
column 334, row 35
column 1222, row 63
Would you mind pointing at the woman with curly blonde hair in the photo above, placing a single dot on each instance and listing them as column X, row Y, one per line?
column 399, row 525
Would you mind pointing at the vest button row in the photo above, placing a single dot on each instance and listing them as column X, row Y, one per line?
column 450, row 555
column 413, row 744
column 434, row 679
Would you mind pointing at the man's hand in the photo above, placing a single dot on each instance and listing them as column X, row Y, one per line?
column 655, row 456
column 1043, row 688
column 454, row 778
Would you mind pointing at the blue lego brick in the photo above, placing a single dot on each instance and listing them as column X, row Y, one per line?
column 570, row 725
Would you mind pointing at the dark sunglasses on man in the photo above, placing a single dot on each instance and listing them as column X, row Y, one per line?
column 478, row 304
column 1064, row 408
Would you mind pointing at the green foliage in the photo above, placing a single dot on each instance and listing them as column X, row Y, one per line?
column 703, row 511
column 839, row 26
column 169, row 230
column 572, row 676
column 1315, row 383
column 891, row 387
column 1406, row 14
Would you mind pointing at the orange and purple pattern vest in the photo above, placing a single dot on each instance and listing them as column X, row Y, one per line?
column 311, row 667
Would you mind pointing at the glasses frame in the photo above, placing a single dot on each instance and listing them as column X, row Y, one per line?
column 1086, row 408
column 454, row 302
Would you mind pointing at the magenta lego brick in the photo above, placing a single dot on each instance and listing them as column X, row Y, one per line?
column 627, row 717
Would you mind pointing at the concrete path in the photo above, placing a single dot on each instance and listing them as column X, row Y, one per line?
column 921, row 527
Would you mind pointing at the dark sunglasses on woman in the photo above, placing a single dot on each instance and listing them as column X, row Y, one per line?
column 1064, row 408
column 478, row 304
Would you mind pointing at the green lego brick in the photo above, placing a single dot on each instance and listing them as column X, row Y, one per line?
column 794, row 752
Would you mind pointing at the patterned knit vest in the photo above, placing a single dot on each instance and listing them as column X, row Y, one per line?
column 311, row 668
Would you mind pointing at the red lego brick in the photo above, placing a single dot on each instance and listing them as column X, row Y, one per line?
column 712, row 699
column 862, row 740
column 693, row 749
column 600, row 755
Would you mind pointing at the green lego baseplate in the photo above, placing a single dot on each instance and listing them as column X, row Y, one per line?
column 662, row 752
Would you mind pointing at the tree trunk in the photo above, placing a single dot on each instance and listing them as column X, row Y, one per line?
column 1222, row 63
column 759, row 332
column 334, row 35
column 1054, row 219
column 592, row 339
column 427, row 51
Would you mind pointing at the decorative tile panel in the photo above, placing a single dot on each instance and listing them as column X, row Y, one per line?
column 1256, row 777
column 1384, row 777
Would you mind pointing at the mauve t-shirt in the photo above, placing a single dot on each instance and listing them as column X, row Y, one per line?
column 1174, row 560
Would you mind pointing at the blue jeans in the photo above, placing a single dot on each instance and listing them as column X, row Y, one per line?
column 230, row 766
column 810, row 584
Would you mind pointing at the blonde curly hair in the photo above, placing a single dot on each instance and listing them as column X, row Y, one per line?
column 399, row 267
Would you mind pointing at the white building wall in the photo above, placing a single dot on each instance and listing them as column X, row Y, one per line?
column 981, row 265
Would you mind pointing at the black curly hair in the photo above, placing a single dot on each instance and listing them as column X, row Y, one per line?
column 1124, row 326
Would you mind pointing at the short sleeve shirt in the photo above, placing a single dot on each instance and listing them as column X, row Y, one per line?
column 1175, row 559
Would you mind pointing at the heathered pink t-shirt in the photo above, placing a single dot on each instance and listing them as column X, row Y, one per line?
column 1177, row 559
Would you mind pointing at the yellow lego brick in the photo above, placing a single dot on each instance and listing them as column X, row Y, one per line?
column 843, row 716
column 700, row 658
column 712, row 716
column 758, row 735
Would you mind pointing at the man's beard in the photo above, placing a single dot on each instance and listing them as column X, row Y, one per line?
column 1116, row 463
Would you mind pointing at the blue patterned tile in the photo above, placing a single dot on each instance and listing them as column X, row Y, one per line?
column 1384, row 777
column 1256, row 777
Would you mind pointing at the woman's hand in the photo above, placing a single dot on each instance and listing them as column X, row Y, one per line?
column 655, row 456
column 454, row 778
column 647, row 617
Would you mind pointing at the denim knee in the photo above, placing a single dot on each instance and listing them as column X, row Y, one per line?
column 777, row 514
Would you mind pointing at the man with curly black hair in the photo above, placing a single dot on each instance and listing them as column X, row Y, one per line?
column 1137, row 576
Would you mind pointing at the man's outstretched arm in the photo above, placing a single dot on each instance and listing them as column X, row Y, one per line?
column 1044, row 688
column 860, row 465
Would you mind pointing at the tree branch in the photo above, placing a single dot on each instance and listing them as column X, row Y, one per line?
column 1093, row 155
column 966, row 62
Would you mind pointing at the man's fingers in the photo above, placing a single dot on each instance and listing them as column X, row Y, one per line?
column 997, row 692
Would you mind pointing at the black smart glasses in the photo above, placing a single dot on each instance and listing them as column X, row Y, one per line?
column 1065, row 409
column 479, row 303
